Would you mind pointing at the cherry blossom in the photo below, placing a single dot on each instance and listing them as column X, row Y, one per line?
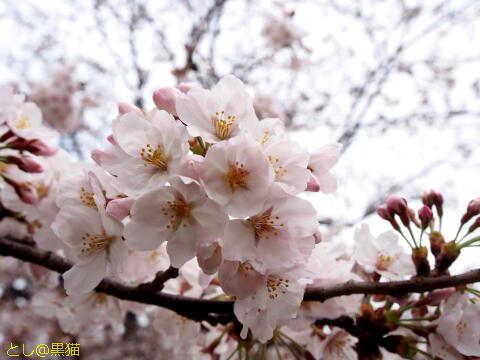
column 237, row 175
column 289, row 162
column 459, row 324
column 180, row 214
column 382, row 254
column 279, row 235
column 151, row 149
column 277, row 298
column 217, row 114
column 94, row 237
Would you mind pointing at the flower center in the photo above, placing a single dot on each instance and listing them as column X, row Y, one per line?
column 276, row 285
column 177, row 211
column 3, row 167
column 461, row 326
column 87, row 198
column 22, row 123
column 222, row 125
column 245, row 269
column 265, row 225
column 155, row 157
column 383, row 261
column 42, row 189
column 266, row 137
column 337, row 346
column 92, row 244
column 237, row 175
column 280, row 171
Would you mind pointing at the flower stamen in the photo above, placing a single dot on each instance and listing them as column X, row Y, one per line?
column 155, row 157
column 221, row 125
column 237, row 175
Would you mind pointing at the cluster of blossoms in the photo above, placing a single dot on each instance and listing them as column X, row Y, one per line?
column 29, row 169
column 281, row 32
column 202, row 174
column 62, row 100
column 201, row 185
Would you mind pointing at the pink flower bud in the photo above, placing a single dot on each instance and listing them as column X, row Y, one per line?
column 313, row 185
column 318, row 237
column 119, row 208
column 166, row 99
column 399, row 206
column 124, row 108
column 432, row 198
column 40, row 148
column 387, row 214
column 25, row 191
column 473, row 209
column 425, row 215
column 24, row 163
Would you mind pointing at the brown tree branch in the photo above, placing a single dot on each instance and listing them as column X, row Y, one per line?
column 217, row 311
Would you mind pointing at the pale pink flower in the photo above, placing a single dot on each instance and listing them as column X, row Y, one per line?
column 269, row 129
column 181, row 214
column 25, row 120
column 289, row 161
column 152, row 149
column 279, row 235
column 276, row 299
column 320, row 164
column 238, row 176
column 382, row 254
column 94, row 237
column 217, row 114
column 459, row 324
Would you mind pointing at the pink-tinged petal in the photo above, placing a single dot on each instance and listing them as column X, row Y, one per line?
column 240, row 279
column 146, row 231
column 209, row 258
column 85, row 277
column 120, row 208
column 325, row 158
column 182, row 247
column 328, row 183
column 185, row 87
column 117, row 256
column 124, row 108
column 239, row 241
column 313, row 184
